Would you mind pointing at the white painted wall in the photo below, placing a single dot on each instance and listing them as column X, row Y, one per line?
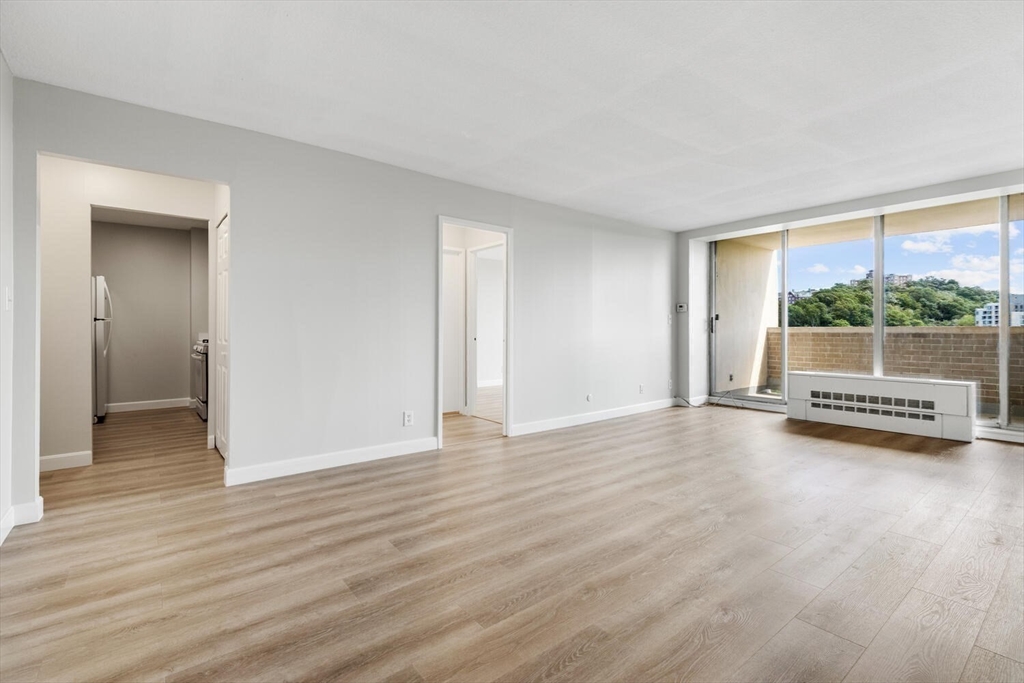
column 490, row 316
column 67, row 189
column 454, row 353
column 148, row 272
column 335, row 257
column 6, row 284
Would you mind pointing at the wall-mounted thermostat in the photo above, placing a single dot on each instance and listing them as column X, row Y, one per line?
column 680, row 308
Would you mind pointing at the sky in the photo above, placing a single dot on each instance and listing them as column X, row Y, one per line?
column 968, row 255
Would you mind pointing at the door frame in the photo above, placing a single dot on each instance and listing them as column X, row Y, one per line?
column 507, row 389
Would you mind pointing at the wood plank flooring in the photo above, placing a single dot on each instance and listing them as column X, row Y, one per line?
column 459, row 429
column 708, row 544
column 489, row 403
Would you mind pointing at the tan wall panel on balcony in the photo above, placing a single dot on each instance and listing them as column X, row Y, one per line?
column 946, row 217
column 1016, row 207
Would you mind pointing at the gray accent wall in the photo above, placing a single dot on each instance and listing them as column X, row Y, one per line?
column 149, row 273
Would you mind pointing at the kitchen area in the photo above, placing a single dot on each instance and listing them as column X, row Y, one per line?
column 129, row 254
column 150, row 303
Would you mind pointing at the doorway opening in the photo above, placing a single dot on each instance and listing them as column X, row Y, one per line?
column 132, row 269
column 473, row 323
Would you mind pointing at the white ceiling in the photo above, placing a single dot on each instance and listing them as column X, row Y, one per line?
column 677, row 115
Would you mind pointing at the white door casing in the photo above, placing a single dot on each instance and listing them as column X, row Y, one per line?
column 222, row 362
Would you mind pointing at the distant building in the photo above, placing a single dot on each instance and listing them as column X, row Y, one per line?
column 795, row 296
column 988, row 316
column 890, row 279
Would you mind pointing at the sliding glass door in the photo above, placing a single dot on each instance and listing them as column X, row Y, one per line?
column 745, row 325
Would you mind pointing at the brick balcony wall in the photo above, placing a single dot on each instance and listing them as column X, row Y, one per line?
column 953, row 353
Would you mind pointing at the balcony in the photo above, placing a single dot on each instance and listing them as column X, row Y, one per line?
column 951, row 353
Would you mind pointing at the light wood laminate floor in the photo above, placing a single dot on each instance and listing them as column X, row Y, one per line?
column 458, row 429
column 707, row 544
column 489, row 401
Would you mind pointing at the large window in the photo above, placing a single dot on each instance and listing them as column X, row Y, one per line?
column 931, row 293
column 829, row 297
column 941, row 291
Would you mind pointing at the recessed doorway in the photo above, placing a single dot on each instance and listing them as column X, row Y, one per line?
column 473, row 323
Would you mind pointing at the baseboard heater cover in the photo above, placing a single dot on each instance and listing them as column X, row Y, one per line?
column 923, row 407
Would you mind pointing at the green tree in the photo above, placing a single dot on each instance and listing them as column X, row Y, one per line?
column 928, row 301
column 966, row 320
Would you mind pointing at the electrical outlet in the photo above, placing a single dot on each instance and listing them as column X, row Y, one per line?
column 590, row 397
column 641, row 388
column 669, row 318
column 407, row 418
column 730, row 377
column 670, row 385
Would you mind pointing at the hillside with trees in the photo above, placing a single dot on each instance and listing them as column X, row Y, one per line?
column 928, row 301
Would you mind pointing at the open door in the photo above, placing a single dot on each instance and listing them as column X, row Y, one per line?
column 485, row 326
column 223, row 353
column 474, row 307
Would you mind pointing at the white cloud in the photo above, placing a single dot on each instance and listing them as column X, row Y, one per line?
column 818, row 268
column 928, row 244
column 1019, row 252
column 939, row 241
column 858, row 270
column 972, row 262
column 966, row 278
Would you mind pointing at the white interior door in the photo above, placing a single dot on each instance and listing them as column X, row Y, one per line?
column 223, row 337
column 454, row 358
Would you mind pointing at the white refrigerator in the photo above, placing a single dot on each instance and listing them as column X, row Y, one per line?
column 102, row 324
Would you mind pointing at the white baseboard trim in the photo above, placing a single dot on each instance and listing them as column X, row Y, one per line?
column 284, row 468
column 211, row 441
column 997, row 434
column 150, row 405
column 489, row 383
column 586, row 418
column 63, row 461
column 28, row 513
column 16, row 515
column 6, row 523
